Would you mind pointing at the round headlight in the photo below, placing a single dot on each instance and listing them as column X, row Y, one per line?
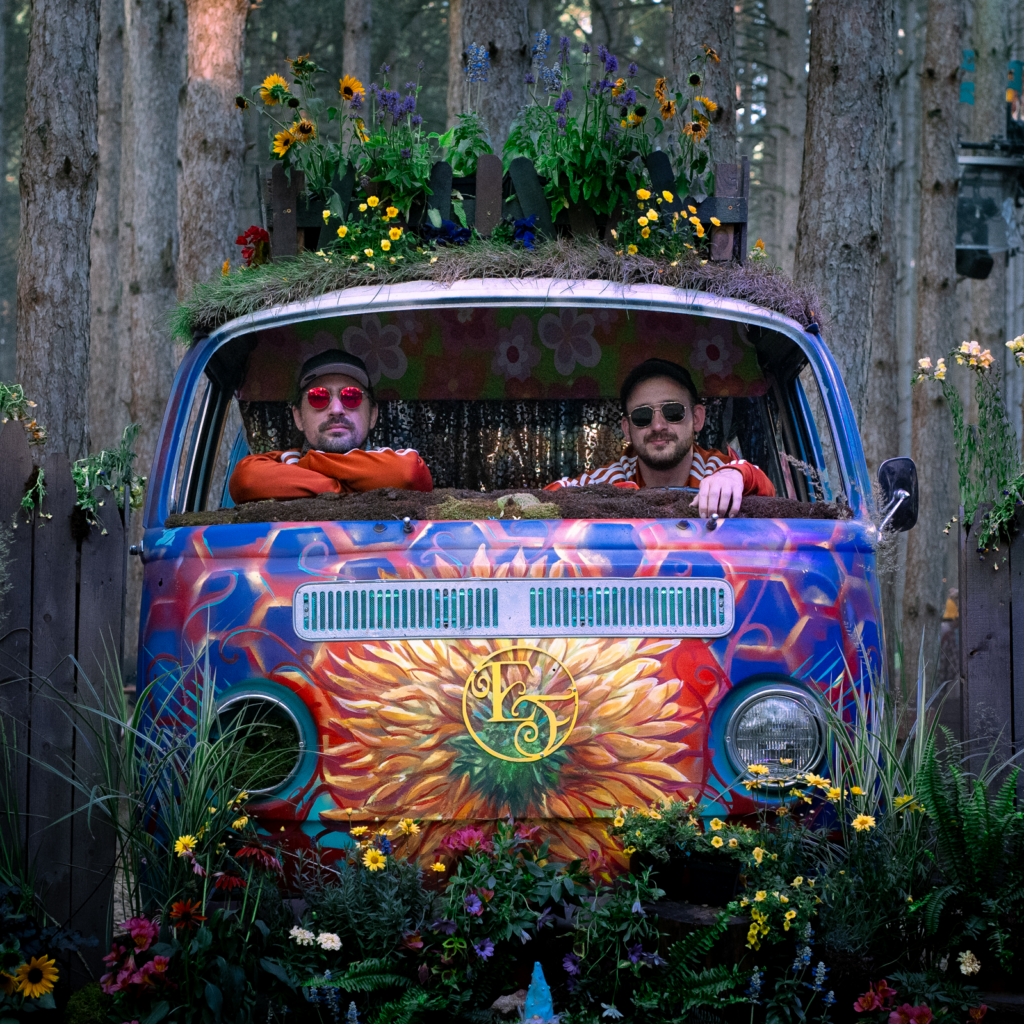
column 269, row 738
column 779, row 728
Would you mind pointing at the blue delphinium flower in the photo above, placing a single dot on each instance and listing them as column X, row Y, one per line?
column 384, row 845
column 754, row 988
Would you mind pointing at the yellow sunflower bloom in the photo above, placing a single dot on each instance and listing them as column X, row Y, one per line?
column 273, row 90
column 395, row 234
column 184, row 844
column 350, row 88
column 709, row 105
column 374, row 860
column 283, row 141
column 304, row 130
column 37, row 977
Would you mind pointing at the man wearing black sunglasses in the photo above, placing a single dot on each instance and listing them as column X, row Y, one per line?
column 335, row 411
column 662, row 416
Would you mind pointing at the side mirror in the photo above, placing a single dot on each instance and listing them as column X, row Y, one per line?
column 898, row 480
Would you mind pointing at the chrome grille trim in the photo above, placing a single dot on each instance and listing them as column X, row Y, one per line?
column 513, row 608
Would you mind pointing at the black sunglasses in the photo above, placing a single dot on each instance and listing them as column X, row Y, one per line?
column 643, row 415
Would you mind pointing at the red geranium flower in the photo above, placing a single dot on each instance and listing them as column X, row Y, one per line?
column 255, row 246
column 185, row 914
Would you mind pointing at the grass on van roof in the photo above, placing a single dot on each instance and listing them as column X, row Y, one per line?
column 307, row 276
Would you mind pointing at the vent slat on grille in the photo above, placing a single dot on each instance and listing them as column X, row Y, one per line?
column 513, row 608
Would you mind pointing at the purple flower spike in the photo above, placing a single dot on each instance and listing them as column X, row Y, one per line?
column 586, row 49
column 529, row 79
column 385, row 68
column 405, row 153
column 563, row 101
column 484, row 950
column 633, row 70
column 611, row 63
column 602, row 52
column 415, row 120
column 561, row 124
column 357, row 101
column 412, row 85
column 571, row 963
column 629, row 97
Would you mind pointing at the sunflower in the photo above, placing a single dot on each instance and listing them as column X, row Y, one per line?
column 694, row 80
column 696, row 130
column 361, row 131
column 37, row 977
column 709, row 105
column 710, row 53
column 283, row 141
column 374, row 860
column 407, row 750
column 619, row 88
column 7, row 984
column 661, row 90
column 304, row 130
column 668, row 110
column 350, row 88
column 185, row 913
column 273, row 90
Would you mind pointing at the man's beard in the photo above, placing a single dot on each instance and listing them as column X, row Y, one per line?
column 667, row 458
column 336, row 445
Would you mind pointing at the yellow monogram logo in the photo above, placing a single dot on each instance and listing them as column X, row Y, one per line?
column 513, row 696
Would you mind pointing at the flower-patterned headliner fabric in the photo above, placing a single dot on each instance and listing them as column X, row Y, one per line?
column 495, row 353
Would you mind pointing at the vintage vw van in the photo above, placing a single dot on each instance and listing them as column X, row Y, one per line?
column 449, row 658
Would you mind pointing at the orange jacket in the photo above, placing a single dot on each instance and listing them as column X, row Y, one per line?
column 285, row 475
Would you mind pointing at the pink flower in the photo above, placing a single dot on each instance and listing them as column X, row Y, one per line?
column 572, row 339
column 115, row 954
column 515, row 355
column 142, row 931
column 977, row 1012
column 907, row 1014
column 470, row 838
column 379, row 347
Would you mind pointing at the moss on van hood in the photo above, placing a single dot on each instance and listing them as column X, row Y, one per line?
column 306, row 276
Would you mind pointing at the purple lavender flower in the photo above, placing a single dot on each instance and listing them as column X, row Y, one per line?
column 586, row 49
column 405, row 153
column 478, row 63
column 529, row 79
column 415, row 120
column 563, row 47
column 443, row 926
column 484, row 950
column 561, row 124
column 385, row 68
column 571, row 963
column 473, row 905
column 602, row 52
column 563, row 101
column 629, row 97
column 412, row 85
column 611, row 63
column 633, row 70
column 540, row 48
column 420, row 66
column 357, row 101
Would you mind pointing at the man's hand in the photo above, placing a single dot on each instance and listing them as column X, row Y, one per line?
column 720, row 492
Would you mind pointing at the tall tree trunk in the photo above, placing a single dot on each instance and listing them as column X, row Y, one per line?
column 58, row 196
column 700, row 23
column 843, row 247
column 148, row 236
column 502, row 27
column 104, row 282
column 456, row 65
column 358, row 32
column 928, row 558
column 787, row 112
column 212, row 140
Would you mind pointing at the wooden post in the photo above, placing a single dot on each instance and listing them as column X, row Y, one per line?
column 727, row 183
column 530, row 194
column 284, row 203
column 986, row 665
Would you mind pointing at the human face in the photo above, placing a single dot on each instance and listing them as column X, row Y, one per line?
column 663, row 445
column 335, row 429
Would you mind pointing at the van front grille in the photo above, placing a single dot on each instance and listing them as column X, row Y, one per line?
column 513, row 608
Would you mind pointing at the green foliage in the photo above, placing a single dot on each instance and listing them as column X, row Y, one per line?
column 15, row 405
column 988, row 459
column 87, row 1006
column 110, row 470
column 465, row 142
column 370, row 910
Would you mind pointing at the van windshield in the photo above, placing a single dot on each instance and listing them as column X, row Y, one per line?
column 507, row 398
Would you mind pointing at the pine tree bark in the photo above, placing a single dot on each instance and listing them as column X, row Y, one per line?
column 456, row 67
column 212, row 141
column 844, row 247
column 358, row 40
column 929, row 561
column 786, row 101
column 104, row 282
column 700, row 23
column 502, row 27
column 58, row 197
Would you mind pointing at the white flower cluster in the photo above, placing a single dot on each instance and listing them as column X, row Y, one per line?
column 302, row 936
column 328, row 940
column 969, row 963
column 325, row 940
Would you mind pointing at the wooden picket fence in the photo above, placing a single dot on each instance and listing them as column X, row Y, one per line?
column 62, row 624
column 986, row 709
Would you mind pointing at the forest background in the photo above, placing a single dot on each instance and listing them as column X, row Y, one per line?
column 880, row 90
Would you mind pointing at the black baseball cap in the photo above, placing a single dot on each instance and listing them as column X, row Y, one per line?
column 333, row 361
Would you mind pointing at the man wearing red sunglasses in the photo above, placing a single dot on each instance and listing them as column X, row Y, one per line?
column 661, row 417
column 335, row 410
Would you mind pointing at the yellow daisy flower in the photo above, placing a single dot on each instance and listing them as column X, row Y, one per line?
column 408, row 827
column 184, row 845
column 438, row 867
column 374, row 860
column 863, row 823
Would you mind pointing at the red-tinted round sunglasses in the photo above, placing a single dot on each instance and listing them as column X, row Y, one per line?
column 320, row 398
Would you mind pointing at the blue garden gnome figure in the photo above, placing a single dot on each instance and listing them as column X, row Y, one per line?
column 538, row 998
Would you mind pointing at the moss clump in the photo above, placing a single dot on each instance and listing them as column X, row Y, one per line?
column 87, row 1006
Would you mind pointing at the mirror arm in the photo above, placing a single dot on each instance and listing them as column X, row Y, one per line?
column 900, row 496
